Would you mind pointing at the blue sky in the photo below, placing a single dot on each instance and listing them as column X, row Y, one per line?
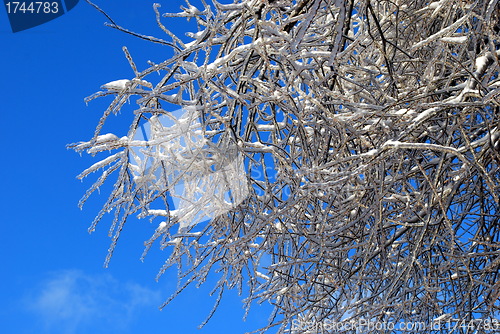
column 53, row 280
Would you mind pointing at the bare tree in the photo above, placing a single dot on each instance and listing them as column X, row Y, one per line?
column 369, row 133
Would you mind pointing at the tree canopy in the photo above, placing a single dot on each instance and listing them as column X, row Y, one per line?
column 368, row 136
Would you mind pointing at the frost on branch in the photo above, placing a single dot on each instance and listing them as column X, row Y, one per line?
column 338, row 159
column 203, row 180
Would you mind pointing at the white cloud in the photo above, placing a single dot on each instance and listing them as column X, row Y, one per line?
column 71, row 302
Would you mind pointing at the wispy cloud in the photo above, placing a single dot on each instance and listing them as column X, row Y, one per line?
column 72, row 301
